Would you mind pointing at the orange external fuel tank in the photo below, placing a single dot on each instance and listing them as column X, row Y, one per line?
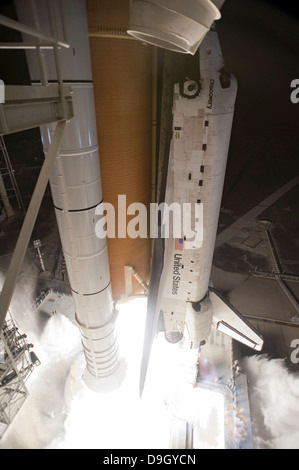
column 123, row 77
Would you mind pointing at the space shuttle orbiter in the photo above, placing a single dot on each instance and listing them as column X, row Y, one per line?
column 181, row 301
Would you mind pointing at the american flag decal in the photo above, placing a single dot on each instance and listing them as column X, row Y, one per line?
column 178, row 245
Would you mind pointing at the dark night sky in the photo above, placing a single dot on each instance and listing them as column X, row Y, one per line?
column 260, row 45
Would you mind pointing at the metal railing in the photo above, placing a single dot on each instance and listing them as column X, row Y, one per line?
column 7, row 172
column 54, row 43
column 50, row 42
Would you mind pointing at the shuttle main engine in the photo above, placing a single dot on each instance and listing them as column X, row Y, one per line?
column 76, row 185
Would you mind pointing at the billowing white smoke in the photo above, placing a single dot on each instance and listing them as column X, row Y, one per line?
column 22, row 302
column 274, row 401
column 42, row 416
column 59, row 407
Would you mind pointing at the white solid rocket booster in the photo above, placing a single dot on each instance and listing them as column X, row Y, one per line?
column 75, row 181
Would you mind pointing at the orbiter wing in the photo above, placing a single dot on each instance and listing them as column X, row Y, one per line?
column 229, row 321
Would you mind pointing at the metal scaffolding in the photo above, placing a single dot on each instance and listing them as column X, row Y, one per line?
column 25, row 107
column 8, row 183
column 16, row 364
column 21, row 108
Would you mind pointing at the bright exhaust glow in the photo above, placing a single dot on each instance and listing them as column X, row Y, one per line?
column 62, row 413
column 203, row 409
column 208, row 429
